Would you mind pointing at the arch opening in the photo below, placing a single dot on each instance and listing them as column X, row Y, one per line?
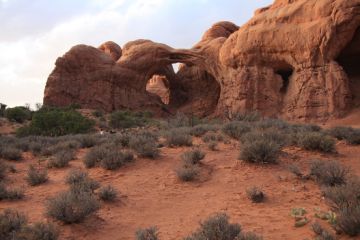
column 159, row 85
column 349, row 59
column 285, row 71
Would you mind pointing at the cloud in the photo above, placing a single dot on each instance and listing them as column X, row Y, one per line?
column 28, row 56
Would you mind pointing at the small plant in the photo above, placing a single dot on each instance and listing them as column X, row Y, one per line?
column 61, row 159
column 3, row 169
column 150, row 233
column 72, row 207
column 212, row 137
column 188, row 173
column 248, row 236
column 36, row 176
column 178, row 137
column 236, row 129
column 10, row 194
column 80, row 181
column 216, row 227
column 201, row 129
column 11, row 222
column 39, row 231
column 145, row 144
column 18, row 114
column 11, row 153
column 321, row 232
column 127, row 119
column 212, row 146
column 116, row 159
column 108, row 193
column 316, row 141
column 329, row 173
column 255, row 194
column 260, row 151
column 192, row 157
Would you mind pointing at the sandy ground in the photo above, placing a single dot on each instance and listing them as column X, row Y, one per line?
column 151, row 194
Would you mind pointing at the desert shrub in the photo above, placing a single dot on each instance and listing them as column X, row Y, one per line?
column 216, row 227
column 36, row 176
column 329, row 173
column 10, row 194
column 10, row 153
column 316, row 141
column 247, row 117
column 72, row 207
column 294, row 169
column 248, row 236
column 107, row 193
column 268, row 135
column 354, row 137
column 181, row 120
column 95, row 155
column 80, row 181
column 87, row 140
column 322, row 233
column 18, row 114
column 212, row 137
column 39, row 231
column 236, row 129
column 98, row 113
column 193, row 156
column 255, row 194
column 346, row 200
column 260, row 151
column 11, row 222
column 123, row 139
column 56, row 122
column 271, row 123
column 340, row 132
column 127, row 119
column 178, row 137
column 145, row 144
column 212, row 146
column 201, row 129
column 116, row 159
column 3, row 169
column 150, row 233
column 61, row 159
column 187, row 173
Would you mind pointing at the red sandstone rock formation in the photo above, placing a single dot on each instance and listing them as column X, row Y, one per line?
column 159, row 86
column 299, row 59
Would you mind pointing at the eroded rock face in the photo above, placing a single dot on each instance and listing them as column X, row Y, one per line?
column 298, row 59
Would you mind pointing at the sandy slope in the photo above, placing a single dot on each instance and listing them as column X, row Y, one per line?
column 152, row 195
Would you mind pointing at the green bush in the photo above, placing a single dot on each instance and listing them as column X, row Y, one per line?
column 192, row 157
column 56, row 122
column 107, row 193
column 260, row 151
column 72, row 207
column 127, row 119
column 340, row 132
column 268, row 135
column 178, row 137
column 147, row 234
column 212, row 137
column 247, row 117
column 36, row 176
column 216, row 227
column 18, row 114
column 322, row 233
column 3, row 170
column 316, row 141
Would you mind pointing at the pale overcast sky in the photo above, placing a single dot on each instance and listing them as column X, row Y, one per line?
column 33, row 33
